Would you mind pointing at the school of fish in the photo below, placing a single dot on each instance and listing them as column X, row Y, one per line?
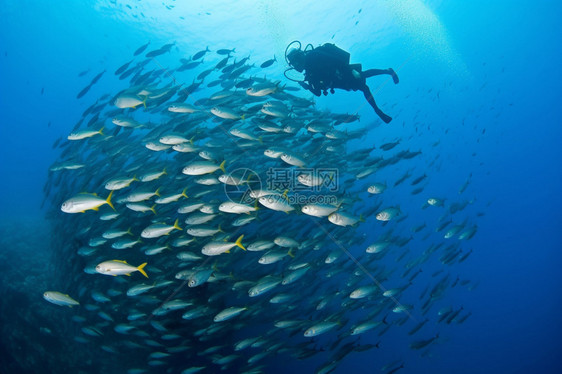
column 216, row 225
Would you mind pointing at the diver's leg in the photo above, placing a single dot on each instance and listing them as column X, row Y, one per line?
column 373, row 72
column 367, row 92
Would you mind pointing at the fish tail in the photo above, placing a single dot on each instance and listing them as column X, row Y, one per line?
column 176, row 224
column 152, row 208
column 222, row 166
column 183, row 193
column 157, row 193
column 108, row 200
column 239, row 242
column 101, row 131
column 290, row 253
column 144, row 101
column 361, row 218
column 140, row 269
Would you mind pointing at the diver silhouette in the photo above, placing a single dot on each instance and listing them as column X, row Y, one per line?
column 327, row 67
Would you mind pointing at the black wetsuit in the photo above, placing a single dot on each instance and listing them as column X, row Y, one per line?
column 327, row 67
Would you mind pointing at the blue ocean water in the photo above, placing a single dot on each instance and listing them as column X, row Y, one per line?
column 478, row 96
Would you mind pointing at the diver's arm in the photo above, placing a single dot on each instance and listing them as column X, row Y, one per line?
column 314, row 90
column 310, row 87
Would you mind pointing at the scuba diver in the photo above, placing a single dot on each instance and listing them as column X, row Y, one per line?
column 327, row 67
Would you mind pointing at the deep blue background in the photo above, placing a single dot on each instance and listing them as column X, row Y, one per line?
column 499, row 70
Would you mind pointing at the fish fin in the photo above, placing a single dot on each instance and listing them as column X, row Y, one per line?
column 176, row 224
column 239, row 242
column 183, row 193
column 96, row 208
column 140, row 269
column 129, row 231
column 222, row 166
column 157, row 193
column 108, row 200
column 127, row 274
column 144, row 101
column 124, row 262
column 290, row 253
column 101, row 131
column 153, row 210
